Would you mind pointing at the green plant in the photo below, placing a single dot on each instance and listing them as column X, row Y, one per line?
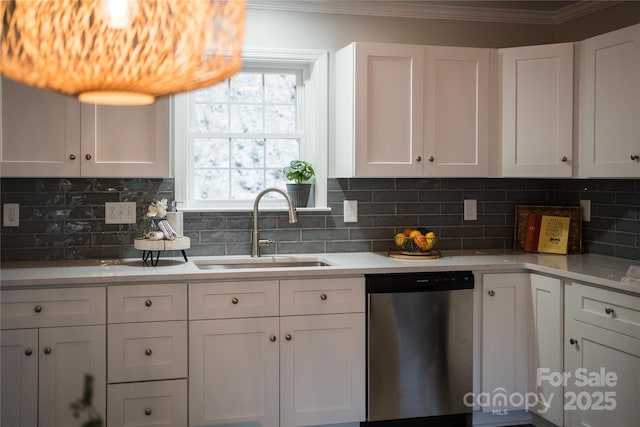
column 299, row 171
column 84, row 405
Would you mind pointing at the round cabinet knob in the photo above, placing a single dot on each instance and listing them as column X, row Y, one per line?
column 323, row 297
column 148, row 303
column 87, row 156
column 288, row 337
column 72, row 156
column 272, row 338
column 491, row 293
column 635, row 157
column 234, row 300
column 419, row 159
column 431, row 158
column 564, row 159
column 148, row 352
column 28, row 352
column 47, row 350
column 609, row 311
column 572, row 341
column 37, row 308
column 147, row 412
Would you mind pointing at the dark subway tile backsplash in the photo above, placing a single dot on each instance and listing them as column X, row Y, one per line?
column 64, row 218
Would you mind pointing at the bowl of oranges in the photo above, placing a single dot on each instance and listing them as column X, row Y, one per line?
column 416, row 240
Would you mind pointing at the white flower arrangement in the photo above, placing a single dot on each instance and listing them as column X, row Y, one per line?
column 157, row 209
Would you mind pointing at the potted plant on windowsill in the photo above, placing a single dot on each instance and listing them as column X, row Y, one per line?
column 300, row 172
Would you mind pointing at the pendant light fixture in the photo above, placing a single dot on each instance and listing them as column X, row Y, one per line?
column 121, row 52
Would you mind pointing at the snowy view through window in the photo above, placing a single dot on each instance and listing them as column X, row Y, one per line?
column 244, row 131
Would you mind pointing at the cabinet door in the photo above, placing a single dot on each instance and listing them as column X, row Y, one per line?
column 610, row 104
column 591, row 348
column 537, row 110
column 233, row 372
column 380, row 110
column 546, row 328
column 504, row 336
column 456, row 123
column 39, row 132
column 65, row 356
column 19, row 379
column 130, row 141
column 322, row 369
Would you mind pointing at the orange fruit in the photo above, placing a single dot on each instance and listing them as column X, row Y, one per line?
column 407, row 231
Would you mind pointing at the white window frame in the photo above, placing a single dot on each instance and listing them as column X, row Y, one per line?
column 314, row 64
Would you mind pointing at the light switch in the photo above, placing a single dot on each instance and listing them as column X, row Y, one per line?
column 120, row 213
column 350, row 211
column 586, row 210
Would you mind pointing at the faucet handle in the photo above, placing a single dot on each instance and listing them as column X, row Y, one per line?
column 264, row 242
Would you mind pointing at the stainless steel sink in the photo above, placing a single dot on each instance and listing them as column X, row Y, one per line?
column 265, row 262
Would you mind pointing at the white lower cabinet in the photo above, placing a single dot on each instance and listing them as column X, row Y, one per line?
column 546, row 347
column 44, row 359
column 322, row 369
column 297, row 370
column 147, row 357
column 505, row 355
column 156, row 403
column 602, row 357
column 233, row 371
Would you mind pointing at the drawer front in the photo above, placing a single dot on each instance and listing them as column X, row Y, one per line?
column 607, row 309
column 34, row 308
column 147, row 351
column 159, row 403
column 147, row 303
column 227, row 300
column 322, row 296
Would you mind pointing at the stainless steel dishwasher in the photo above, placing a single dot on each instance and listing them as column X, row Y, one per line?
column 419, row 348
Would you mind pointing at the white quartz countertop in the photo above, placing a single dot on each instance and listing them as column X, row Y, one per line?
column 594, row 269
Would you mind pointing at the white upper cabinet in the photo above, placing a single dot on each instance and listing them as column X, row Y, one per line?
column 411, row 111
column 40, row 131
column 379, row 110
column 609, row 122
column 46, row 134
column 456, row 114
column 537, row 111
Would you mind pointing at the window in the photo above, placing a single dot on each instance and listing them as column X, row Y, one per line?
column 233, row 139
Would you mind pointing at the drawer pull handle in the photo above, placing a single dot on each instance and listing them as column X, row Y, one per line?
column 431, row 158
column 288, row 337
column 323, row 297
column 148, row 303
column 87, row 156
column 564, row 159
column 634, row 157
column 234, row 300
column 610, row 311
column 37, row 308
column 28, row 352
column 491, row 293
column 273, row 338
column 147, row 412
column 72, row 156
column 419, row 159
column 47, row 350
column 148, row 352
column 572, row 341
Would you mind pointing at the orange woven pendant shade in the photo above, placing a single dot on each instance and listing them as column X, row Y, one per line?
column 121, row 52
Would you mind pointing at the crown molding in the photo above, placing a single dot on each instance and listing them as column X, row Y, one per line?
column 425, row 10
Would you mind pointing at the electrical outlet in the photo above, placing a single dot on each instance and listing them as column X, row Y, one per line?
column 350, row 211
column 119, row 213
column 470, row 210
column 11, row 215
column 586, row 210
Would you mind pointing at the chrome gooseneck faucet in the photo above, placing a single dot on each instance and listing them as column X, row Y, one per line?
column 255, row 235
